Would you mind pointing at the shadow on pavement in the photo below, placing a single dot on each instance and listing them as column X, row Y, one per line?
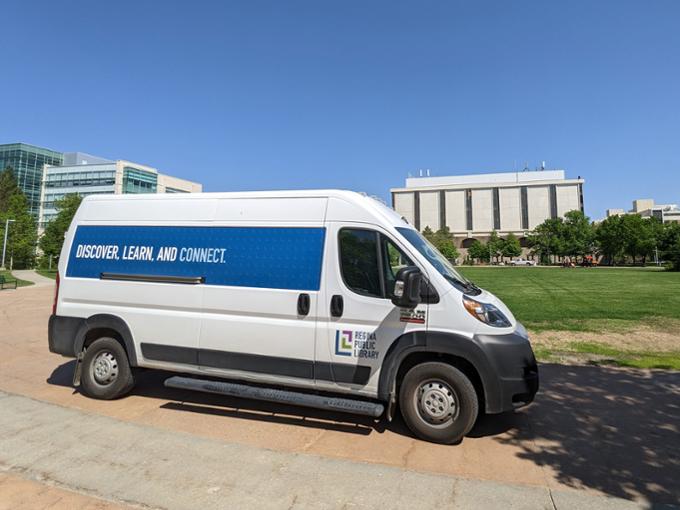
column 614, row 430
column 149, row 383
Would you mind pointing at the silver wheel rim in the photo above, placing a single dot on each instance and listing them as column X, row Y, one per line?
column 104, row 368
column 436, row 402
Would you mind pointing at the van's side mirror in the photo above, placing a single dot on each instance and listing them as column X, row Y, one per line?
column 407, row 287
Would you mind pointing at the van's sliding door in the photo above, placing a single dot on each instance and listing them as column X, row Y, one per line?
column 259, row 322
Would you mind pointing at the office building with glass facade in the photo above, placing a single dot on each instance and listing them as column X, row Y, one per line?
column 89, row 175
column 473, row 206
column 28, row 161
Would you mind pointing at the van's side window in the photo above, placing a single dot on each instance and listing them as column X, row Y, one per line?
column 359, row 261
column 369, row 262
column 393, row 260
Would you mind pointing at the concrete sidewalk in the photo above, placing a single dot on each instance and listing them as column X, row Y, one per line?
column 129, row 463
column 19, row 493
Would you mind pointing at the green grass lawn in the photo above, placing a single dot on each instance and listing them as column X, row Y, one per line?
column 48, row 273
column 582, row 299
column 9, row 277
column 616, row 307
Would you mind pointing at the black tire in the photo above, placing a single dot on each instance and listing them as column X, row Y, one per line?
column 95, row 382
column 438, row 402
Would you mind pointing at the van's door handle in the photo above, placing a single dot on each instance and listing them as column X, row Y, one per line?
column 337, row 306
column 303, row 304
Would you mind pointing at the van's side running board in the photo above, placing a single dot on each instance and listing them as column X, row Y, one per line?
column 280, row 396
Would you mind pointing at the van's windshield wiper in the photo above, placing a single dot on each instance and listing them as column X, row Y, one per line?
column 467, row 285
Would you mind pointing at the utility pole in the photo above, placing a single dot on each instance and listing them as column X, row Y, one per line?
column 4, row 245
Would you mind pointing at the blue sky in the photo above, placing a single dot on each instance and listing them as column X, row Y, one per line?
column 304, row 94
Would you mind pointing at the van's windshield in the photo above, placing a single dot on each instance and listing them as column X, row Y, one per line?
column 438, row 261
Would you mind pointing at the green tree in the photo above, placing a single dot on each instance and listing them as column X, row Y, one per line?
column 577, row 235
column 669, row 245
column 654, row 233
column 609, row 239
column 23, row 234
column 511, row 247
column 546, row 240
column 8, row 188
column 443, row 241
column 479, row 251
column 495, row 245
column 428, row 234
column 638, row 236
column 53, row 237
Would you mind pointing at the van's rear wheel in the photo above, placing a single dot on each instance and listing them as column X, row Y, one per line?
column 106, row 372
column 438, row 402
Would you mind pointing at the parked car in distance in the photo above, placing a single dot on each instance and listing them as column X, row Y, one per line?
column 522, row 262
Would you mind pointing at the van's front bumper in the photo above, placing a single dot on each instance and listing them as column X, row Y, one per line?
column 515, row 366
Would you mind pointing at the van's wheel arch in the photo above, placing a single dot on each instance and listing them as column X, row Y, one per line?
column 105, row 372
column 438, row 402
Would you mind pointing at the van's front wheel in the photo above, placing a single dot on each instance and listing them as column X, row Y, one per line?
column 438, row 402
column 106, row 372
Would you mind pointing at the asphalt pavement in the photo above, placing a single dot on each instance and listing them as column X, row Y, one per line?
column 595, row 437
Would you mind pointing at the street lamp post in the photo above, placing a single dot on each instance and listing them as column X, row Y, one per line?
column 4, row 245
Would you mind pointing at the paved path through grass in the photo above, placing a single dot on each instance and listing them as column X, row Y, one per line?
column 32, row 276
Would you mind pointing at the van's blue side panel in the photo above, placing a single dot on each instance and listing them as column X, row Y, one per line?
column 264, row 257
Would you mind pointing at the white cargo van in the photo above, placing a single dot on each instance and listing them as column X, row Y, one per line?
column 316, row 298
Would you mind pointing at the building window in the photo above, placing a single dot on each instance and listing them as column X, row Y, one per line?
column 580, row 197
column 442, row 209
column 525, row 207
column 467, row 242
column 416, row 209
column 168, row 189
column 77, row 179
column 138, row 181
column 496, row 209
column 553, row 201
column 468, row 209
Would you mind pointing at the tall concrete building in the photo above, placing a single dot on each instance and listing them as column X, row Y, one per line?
column 28, row 161
column 473, row 206
column 647, row 208
column 85, row 174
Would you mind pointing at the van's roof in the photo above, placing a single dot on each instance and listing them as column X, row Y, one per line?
column 306, row 193
column 374, row 206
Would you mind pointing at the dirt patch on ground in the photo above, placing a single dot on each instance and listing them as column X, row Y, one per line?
column 662, row 335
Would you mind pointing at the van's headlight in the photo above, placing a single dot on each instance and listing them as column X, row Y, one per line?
column 486, row 312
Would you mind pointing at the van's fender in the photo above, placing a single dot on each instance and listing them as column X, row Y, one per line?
column 106, row 321
column 438, row 342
